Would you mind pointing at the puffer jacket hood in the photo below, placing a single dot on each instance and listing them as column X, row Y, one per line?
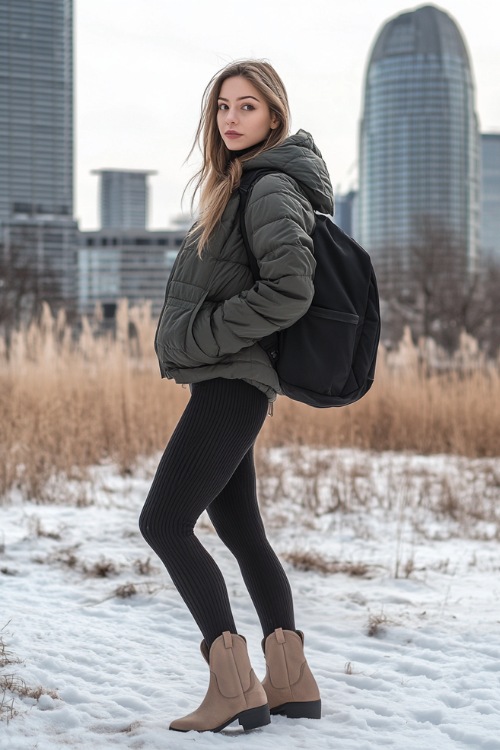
column 301, row 159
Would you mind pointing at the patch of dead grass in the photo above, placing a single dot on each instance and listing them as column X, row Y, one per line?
column 307, row 561
column 377, row 624
column 11, row 685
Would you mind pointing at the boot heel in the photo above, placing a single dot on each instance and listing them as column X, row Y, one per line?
column 255, row 717
column 299, row 710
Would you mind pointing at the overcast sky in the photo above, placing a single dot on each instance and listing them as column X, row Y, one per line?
column 141, row 67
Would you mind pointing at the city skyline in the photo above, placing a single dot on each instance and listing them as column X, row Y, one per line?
column 140, row 77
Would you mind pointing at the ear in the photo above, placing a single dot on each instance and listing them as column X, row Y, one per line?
column 274, row 121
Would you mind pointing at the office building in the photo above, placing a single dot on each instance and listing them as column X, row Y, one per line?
column 345, row 212
column 123, row 259
column 419, row 149
column 46, row 251
column 127, row 263
column 490, row 196
column 36, row 138
column 123, row 198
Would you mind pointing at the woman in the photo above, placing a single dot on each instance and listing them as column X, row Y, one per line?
column 208, row 336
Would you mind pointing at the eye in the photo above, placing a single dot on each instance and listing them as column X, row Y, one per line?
column 222, row 106
column 248, row 107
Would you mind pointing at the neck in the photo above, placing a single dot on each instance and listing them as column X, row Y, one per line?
column 239, row 154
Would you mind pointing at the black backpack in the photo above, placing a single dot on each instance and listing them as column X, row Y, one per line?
column 326, row 358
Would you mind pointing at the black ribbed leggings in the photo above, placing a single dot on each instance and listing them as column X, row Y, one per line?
column 208, row 465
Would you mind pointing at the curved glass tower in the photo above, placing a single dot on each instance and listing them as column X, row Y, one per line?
column 419, row 146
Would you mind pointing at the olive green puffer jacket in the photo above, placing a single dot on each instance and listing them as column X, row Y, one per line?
column 215, row 313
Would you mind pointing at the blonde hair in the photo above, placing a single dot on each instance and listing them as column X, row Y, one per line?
column 220, row 174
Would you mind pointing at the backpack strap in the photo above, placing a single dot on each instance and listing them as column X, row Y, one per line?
column 248, row 180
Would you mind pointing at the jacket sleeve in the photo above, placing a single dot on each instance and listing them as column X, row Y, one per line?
column 279, row 222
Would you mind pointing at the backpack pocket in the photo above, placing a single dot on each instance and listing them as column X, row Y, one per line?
column 316, row 352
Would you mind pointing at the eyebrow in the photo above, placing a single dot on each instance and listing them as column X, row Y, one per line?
column 223, row 99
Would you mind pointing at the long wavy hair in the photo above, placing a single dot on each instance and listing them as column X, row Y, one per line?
column 220, row 172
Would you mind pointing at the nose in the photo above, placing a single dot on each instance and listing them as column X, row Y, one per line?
column 231, row 116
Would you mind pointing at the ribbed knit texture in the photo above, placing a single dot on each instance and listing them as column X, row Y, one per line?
column 208, row 465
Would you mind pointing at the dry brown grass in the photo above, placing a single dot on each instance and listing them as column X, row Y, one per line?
column 11, row 685
column 68, row 402
column 127, row 590
column 377, row 624
column 306, row 561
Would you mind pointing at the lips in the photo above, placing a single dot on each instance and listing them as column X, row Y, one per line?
column 232, row 134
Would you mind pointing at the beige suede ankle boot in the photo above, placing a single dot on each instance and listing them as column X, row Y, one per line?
column 234, row 692
column 289, row 684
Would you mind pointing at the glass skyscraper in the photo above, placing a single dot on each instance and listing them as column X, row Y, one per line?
column 490, row 196
column 419, row 146
column 36, row 108
column 36, row 136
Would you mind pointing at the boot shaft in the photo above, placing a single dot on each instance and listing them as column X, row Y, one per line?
column 289, row 683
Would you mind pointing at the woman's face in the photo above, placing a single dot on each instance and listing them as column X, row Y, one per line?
column 243, row 117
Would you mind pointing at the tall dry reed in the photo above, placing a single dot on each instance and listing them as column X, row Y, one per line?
column 450, row 406
column 67, row 404
column 71, row 401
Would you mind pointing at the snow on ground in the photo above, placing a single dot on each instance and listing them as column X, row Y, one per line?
column 403, row 636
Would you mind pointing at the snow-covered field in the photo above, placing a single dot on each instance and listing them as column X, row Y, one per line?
column 402, row 631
